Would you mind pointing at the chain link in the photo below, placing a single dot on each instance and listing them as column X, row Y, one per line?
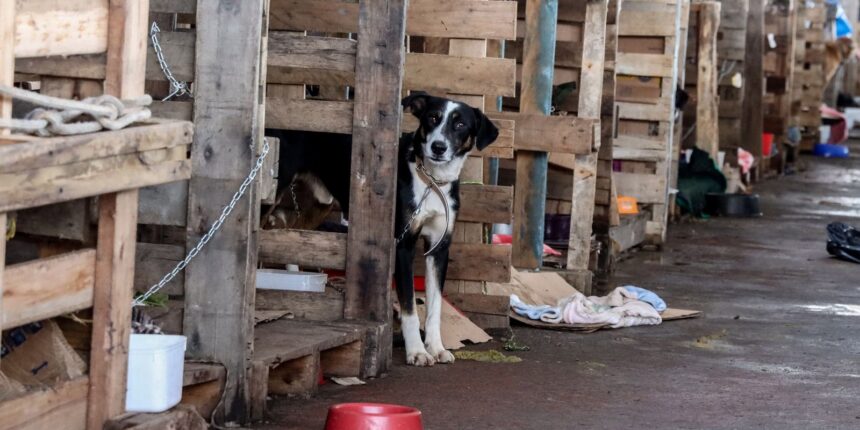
column 177, row 88
column 212, row 230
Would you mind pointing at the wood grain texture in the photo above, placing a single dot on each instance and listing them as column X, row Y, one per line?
column 485, row 203
column 63, row 406
column 7, row 56
column 47, row 287
column 48, row 27
column 126, row 48
column 112, row 293
column 461, row 75
column 376, row 132
column 707, row 112
column 219, row 286
column 752, row 122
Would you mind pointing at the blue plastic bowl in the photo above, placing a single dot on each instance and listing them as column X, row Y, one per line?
column 830, row 151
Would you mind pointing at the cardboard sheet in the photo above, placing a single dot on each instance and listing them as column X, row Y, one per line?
column 456, row 327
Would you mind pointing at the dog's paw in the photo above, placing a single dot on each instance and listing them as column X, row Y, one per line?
column 420, row 359
column 444, row 356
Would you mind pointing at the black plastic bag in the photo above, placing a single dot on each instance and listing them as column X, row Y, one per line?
column 843, row 241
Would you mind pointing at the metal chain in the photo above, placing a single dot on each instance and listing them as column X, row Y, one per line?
column 434, row 186
column 212, row 230
column 177, row 88
column 295, row 200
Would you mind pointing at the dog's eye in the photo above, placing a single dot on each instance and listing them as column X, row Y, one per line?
column 459, row 125
column 434, row 119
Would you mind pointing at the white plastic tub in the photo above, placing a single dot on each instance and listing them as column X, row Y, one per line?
column 155, row 366
column 272, row 279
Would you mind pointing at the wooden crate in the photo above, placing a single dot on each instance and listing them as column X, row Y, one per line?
column 55, row 47
column 575, row 32
column 647, row 75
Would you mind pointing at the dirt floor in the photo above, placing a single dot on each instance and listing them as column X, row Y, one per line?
column 777, row 348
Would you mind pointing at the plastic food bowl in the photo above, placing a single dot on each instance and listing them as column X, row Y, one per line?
column 827, row 150
column 373, row 416
column 155, row 368
column 732, row 205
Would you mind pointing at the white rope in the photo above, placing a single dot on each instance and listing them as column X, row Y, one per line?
column 63, row 117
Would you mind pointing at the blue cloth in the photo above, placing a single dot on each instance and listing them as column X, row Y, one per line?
column 843, row 25
column 647, row 296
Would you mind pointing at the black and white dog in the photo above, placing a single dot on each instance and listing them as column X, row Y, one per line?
column 429, row 164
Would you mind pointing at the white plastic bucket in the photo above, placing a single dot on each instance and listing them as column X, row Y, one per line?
column 273, row 279
column 155, row 366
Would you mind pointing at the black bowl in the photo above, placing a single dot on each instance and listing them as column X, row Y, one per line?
column 732, row 205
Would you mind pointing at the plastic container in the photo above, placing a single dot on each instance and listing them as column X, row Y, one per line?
column 827, row 150
column 273, row 279
column 155, row 367
column 766, row 144
column 733, row 205
column 373, row 416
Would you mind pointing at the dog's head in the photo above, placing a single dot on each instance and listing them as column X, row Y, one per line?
column 448, row 129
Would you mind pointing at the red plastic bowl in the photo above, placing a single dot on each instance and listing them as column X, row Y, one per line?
column 372, row 416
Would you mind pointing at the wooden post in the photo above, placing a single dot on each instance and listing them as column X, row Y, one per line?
column 535, row 98
column 375, row 138
column 707, row 109
column 112, row 296
column 7, row 55
column 585, row 167
column 752, row 120
column 3, row 218
column 219, row 283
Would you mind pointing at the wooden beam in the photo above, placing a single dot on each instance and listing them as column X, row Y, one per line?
column 561, row 134
column 3, row 220
column 470, row 19
column 112, row 296
column 585, row 172
column 7, row 56
column 126, row 48
column 309, row 115
column 219, row 285
column 535, row 98
column 707, row 111
column 485, row 203
column 375, row 137
column 303, row 248
column 461, row 75
column 47, row 287
column 751, row 120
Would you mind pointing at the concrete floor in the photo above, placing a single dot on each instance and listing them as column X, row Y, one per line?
column 777, row 348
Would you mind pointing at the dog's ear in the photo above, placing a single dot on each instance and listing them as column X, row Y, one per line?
column 416, row 101
column 484, row 132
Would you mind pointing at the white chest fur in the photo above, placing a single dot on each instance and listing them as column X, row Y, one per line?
column 430, row 218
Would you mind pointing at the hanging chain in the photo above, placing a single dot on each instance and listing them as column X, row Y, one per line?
column 177, row 88
column 434, row 186
column 212, row 230
column 295, row 200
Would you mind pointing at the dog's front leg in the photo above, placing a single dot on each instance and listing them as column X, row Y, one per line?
column 409, row 324
column 437, row 268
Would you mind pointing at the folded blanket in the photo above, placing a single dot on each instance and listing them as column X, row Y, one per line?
column 621, row 308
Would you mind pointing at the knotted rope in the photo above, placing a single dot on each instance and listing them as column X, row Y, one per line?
column 62, row 117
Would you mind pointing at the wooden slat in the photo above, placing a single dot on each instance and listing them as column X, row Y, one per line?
column 503, row 147
column 112, row 292
column 309, row 115
column 48, row 27
column 63, row 406
column 74, row 66
column 309, row 52
column 463, row 75
column 173, row 6
column 178, row 47
column 76, row 188
column 474, row 262
column 562, row 134
column 304, row 248
column 485, row 203
column 644, row 65
column 646, row 23
column 65, row 150
column 48, row 287
column 7, row 56
column 468, row 19
column 645, row 187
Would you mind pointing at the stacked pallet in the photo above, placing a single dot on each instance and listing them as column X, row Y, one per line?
column 678, row 126
column 76, row 49
column 731, row 52
column 780, row 25
column 647, row 76
column 809, row 81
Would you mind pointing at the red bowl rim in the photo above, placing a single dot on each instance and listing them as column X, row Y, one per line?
column 387, row 410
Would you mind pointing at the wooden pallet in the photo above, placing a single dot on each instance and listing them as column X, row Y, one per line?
column 291, row 356
column 779, row 64
column 701, row 123
column 647, row 74
column 731, row 57
column 807, row 90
